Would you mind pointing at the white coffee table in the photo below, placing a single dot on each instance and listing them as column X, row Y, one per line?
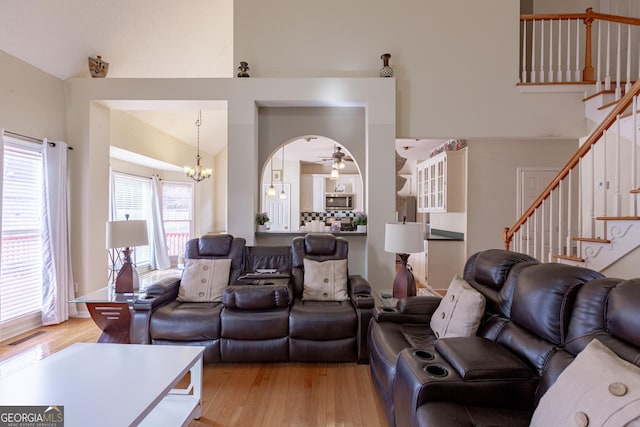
column 112, row 384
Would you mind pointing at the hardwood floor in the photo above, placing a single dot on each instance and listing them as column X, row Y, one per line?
column 260, row 394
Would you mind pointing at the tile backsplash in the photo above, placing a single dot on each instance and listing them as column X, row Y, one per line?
column 324, row 216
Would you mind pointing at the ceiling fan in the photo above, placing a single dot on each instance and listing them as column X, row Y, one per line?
column 338, row 156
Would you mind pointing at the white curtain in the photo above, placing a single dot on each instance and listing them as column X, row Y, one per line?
column 160, row 253
column 57, row 274
column 1, row 179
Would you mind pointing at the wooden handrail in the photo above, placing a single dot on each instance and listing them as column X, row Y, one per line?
column 588, row 14
column 593, row 138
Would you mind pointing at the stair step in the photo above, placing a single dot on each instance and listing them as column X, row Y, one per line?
column 618, row 218
column 569, row 258
column 591, row 240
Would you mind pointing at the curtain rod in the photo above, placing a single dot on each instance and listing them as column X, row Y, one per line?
column 32, row 139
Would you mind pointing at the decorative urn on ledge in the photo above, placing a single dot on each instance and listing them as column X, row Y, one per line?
column 97, row 67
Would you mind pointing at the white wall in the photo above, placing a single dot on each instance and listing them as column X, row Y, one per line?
column 492, row 183
column 456, row 62
column 89, row 127
column 30, row 100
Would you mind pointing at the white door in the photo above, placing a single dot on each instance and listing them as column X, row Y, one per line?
column 277, row 209
column 531, row 182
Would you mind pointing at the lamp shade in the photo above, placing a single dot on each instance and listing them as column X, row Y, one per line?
column 403, row 238
column 123, row 234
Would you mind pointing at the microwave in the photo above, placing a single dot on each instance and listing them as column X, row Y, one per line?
column 338, row 201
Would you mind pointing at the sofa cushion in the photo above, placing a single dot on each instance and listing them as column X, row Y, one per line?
column 203, row 280
column 597, row 388
column 320, row 320
column 325, row 281
column 460, row 311
column 186, row 321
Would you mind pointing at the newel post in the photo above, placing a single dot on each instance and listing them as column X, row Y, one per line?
column 506, row 238
column 588, row 74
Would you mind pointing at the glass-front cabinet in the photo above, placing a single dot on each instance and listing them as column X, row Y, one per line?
column 441, row 182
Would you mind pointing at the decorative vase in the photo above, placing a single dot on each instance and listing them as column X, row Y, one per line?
column 262, row 228
column 386, row 70
column 97, row 67
column 361, row 228
column 242, row 69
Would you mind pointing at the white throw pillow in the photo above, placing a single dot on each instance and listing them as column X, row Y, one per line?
column 325, row 281
column 204, row 280
column 460, row 311
column 598, row 388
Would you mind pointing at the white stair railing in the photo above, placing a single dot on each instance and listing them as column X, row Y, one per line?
column 545, row 58
column 575, row 203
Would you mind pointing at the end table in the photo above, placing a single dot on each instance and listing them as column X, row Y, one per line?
column 111, row 312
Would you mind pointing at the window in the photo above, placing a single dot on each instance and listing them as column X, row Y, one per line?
column 132, row 196
column 22, row 204
column 177, row 216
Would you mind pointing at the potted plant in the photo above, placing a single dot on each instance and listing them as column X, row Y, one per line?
column 261, row 220
column 360, row 220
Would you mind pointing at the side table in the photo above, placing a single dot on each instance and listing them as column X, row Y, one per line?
column 111, row 313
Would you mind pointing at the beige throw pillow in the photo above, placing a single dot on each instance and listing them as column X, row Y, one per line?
column 597, row 389
column 203, row 280
column 460, row 311
column 325, row 281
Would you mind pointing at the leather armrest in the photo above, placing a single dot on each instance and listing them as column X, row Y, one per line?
column 393, row 314
column 164, row 286
column 363, row 301
column 477, row 358
column 418, row 305
column 157, row 294
column 359, row 285
column 255, row 297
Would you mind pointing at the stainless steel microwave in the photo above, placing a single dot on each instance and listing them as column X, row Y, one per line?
column 338, row 201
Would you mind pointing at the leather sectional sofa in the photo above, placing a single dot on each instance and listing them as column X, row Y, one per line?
column 538, row 318
column 262, row 317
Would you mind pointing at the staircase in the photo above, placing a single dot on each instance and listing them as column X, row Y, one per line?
column 588, row 214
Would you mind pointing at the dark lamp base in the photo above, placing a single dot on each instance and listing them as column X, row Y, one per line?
column 404, row 284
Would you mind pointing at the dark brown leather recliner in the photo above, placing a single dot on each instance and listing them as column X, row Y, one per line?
column 255, row 317
column 188, row 323
column 321, row 331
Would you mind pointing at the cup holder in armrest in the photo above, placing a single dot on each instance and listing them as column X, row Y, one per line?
column 423, row 354
column 436, row 371
column 389, row 309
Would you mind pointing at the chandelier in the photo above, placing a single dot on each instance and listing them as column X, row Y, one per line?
column 197, row 172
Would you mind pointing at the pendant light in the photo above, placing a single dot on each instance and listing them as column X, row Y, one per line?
column 283, row 195
column 197, row 172
column 271, row 192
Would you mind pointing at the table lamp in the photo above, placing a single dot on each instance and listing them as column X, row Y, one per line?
column 404, row 238
column 126, row 234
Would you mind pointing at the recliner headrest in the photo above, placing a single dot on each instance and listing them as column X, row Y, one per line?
column 492, row 266
column 320, row 244
column 214, row 245
column 543, row 298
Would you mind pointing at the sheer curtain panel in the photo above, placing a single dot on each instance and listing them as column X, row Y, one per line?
column 58, row 277
column 160, row 253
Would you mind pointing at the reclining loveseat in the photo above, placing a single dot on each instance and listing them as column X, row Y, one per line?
column 532, row 358
column 277, row 303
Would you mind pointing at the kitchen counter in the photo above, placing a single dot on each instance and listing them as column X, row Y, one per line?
column 302, row 233
column 444, row 235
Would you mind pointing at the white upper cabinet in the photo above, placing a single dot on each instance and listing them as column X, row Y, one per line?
column 441, row 182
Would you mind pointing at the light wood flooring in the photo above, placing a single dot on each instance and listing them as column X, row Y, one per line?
column 260, row 394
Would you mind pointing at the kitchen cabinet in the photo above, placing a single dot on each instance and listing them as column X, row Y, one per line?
column 319, row 190
column 440, row 182
column 306, row 193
